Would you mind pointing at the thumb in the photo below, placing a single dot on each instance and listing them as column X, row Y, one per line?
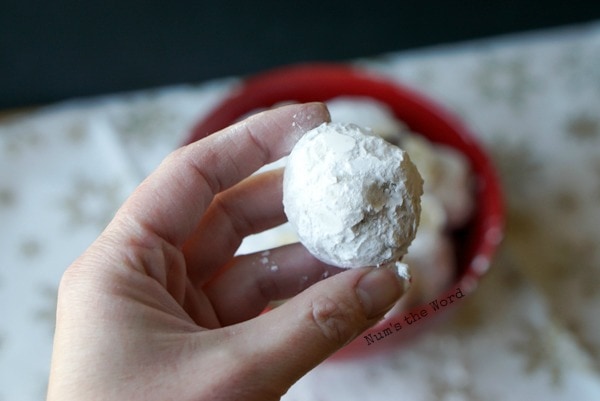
column 295, row 337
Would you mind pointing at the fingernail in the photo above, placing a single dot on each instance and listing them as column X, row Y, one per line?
column 311, row 115
column 306, row 117
column 379, row 290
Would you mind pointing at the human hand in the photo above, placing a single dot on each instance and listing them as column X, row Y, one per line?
column 159, row 308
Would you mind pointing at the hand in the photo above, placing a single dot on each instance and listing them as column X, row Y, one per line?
column 158, row 308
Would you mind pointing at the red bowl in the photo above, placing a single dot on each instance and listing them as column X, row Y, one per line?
column 475, row 244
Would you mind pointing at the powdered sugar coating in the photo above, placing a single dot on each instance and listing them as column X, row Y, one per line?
column 352, row 197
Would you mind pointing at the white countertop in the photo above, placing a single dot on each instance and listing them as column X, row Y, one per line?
column 530, row 331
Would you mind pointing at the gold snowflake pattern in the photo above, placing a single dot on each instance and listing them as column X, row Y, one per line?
column 47, row 313
column 7, row 198
column 576, row 328
column 23, row 140
column 543, row 256
column 583, row 127
column 30, row 248
column 145, row 121
column 92, row 202
column 452, row 379
column 578, row 66
column 76, row 133
column 517, row 164
column 506, row 80
column 587, row 272
column 566, row 201
column 442, row 388
column 537, row 346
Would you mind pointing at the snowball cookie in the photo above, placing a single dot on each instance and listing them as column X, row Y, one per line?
column 352, row 197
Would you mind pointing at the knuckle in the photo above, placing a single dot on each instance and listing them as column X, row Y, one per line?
column 337, row 321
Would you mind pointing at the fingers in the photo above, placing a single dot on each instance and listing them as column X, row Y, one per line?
column 292, row 339
column 172, row 200
column 251, row 206
column 252, row 281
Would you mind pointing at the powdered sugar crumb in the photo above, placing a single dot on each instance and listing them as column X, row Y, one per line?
column 265, row 260
column 403, row 270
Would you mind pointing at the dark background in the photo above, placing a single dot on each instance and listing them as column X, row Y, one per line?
column 54, row 50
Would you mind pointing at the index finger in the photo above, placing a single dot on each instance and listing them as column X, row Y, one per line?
column 171, row 201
